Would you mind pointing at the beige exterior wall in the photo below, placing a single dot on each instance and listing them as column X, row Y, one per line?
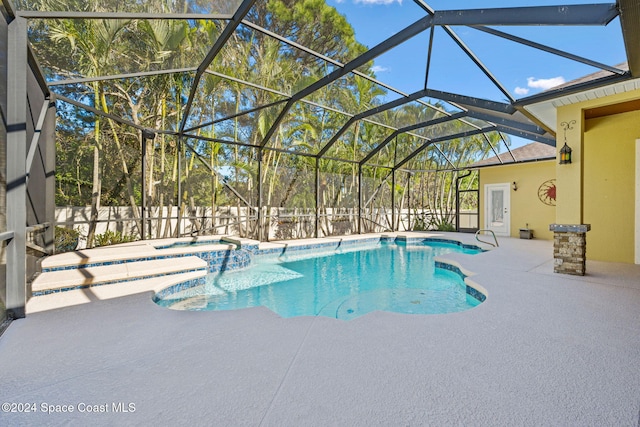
column 526, row 207
column 598, row 188
column 609, row 186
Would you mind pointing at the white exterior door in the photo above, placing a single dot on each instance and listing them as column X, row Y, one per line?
column 497, row 208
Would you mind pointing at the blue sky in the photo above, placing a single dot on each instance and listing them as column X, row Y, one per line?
column 523, row 71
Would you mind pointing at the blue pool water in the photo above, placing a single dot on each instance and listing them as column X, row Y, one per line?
column 342, row 285
column 190, row 243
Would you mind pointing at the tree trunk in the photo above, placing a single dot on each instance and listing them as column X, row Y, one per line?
column 163, row 113
column 125, row 168
column 97, row 176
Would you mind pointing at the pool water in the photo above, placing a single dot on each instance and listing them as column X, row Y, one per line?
column 342, row 285
column 200, row 242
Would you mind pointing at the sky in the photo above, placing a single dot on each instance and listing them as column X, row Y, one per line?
column 523, row 71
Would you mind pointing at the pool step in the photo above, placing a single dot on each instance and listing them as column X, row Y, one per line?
column 96, row 256
column 89, row 258
column 96, row 293
column 84, row 277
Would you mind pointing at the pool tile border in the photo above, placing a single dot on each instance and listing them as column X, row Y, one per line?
column 414, row 240
column 335, row 245
column 475, row 293
column 194, row 244
column 179, row 287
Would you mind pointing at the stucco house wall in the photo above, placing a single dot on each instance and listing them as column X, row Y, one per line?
column 598, row 188
column 526, row 207
column 609, row 186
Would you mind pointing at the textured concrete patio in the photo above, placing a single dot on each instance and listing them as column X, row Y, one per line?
column 543, row 349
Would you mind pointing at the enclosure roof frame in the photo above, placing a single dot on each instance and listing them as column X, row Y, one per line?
column 509, row 117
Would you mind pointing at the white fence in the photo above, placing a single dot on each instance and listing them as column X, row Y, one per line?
column 282, row 223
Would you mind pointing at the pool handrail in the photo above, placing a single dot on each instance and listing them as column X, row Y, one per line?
column 488, row 243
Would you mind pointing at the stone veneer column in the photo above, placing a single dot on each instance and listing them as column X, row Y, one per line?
column 570, row 248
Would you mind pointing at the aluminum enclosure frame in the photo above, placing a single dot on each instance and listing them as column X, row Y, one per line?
column 483, row 116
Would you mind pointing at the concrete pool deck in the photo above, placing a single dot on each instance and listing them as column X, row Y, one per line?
column 543, row 349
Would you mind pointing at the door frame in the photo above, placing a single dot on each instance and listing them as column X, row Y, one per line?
column 506, row 186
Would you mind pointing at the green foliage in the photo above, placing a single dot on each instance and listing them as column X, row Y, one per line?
column 99, row 160
column 111, row 238
column 446, row 226
column 421, row 221
column 314, row 24
column 65, row 239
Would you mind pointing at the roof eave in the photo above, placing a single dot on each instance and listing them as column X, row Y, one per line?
column 541, row 159
column 572, row 89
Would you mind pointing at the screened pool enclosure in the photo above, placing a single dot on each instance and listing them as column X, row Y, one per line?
column 266, row 119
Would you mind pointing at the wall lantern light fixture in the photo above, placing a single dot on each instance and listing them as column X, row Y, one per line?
column 514, row 186
column 565, row 151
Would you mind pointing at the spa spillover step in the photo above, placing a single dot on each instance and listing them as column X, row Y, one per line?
column 79, row 278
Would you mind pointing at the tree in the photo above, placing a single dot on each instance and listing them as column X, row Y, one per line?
column 214, row 173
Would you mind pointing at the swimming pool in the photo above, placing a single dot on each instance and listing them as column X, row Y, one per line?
column 343, row 284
